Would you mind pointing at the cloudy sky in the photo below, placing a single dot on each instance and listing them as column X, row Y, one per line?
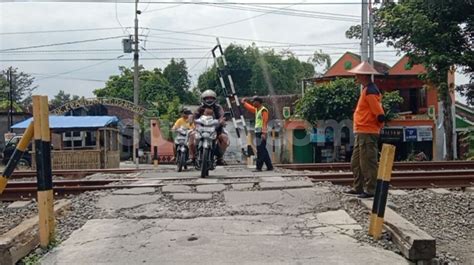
column 91, row 34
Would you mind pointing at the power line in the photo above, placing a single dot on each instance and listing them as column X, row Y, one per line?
column 81, row 68
column 124, row 30
column 125, row 59
column 61, row 43
column 71, row 78
column 237, row 21
column 293, row 12
column 245, row 3
column 160, row 9
column 58, row 31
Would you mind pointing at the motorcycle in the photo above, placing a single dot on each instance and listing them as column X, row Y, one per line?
column 206, row 135
column 182, row 151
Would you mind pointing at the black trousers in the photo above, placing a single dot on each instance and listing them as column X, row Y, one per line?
column 262, row 153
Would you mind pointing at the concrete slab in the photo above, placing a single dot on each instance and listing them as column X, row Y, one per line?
column 339, row 217
column 134, row 191
column 285, row 184
column 191, row 197
column 175, row 189
column 119, row 202
column 18, row 204
column 439, row 191
column 210, row 188
column 272, row 179
column 214, row 240
column 292, row 201
column 397, row 192
column 207, row 181
column 242, row 186
column 147, row 182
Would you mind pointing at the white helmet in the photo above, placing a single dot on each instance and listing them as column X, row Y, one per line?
column 208, row 97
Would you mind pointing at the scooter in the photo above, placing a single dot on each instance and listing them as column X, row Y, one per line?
column 182, row 150
column 206, row 135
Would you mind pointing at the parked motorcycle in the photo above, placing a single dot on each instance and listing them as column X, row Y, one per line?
column 182, row 151
column 206, row 135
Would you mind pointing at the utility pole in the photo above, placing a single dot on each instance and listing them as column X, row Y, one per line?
column 371, row 34
column 10, row 98
column 136, row 88
column 364, row 45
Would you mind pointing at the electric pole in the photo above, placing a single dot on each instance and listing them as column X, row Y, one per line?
column 371, row 34
column 364, row 45
column 10, row 98
column 136, row 87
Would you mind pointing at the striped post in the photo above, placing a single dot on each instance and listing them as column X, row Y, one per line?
column 17, row 154
column 381, row 191
column 43, row 169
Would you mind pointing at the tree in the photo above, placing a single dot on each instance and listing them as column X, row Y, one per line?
column 176, row 72
column 319, row 59
column 336, row 100
column 23, row 86
column 435, row 34
column 259, row 72
column 61, row 98
column 156, row 94
column 153, row 86
column 391, row 102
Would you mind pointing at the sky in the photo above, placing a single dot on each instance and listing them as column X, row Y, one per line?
column 166, row 30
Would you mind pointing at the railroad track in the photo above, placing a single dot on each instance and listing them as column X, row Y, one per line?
column 400, row 179
column 74, row 173
column 400, row 166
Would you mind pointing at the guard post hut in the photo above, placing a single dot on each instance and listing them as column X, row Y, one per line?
column 81, row 142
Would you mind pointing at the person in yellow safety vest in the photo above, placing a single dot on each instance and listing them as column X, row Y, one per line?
column 261, row 122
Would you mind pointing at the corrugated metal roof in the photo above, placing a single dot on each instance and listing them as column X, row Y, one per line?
column 73, row 122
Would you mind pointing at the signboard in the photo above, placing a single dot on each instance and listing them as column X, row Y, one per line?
column 425, row 134
column 411, row 135
column 286, row 112
column 431, row 111
column 83, row 102
column 392, row 135
column 318, row 137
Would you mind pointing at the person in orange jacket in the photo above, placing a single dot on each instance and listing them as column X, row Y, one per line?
column 369, row 118
column 261, row 125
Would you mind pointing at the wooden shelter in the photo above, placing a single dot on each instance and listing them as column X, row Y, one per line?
column 82, row 142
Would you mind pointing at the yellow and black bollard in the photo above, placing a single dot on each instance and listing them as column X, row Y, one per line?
column 381, row 192
column 43, row 169
column 17, row 154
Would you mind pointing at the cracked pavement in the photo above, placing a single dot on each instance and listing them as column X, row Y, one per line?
column 282, row 226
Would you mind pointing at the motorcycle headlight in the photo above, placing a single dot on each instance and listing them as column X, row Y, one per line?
column 206, row 135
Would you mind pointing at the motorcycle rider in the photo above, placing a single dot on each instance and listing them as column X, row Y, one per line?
column 209, row 100
column 184, row 121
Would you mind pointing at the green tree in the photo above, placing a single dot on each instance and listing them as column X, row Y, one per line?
column 61, row 98
column 332, row 100
column 391, row 102
column 337, row 100
column 176, row 72
column 321, row 59
column 153, row 86
column 435, row 34
column 23, row 86
column 259, row 72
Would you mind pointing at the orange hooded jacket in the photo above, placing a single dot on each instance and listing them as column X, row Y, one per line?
column 369, row 114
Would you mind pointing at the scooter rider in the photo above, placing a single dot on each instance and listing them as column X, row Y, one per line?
column 184, row 121
column 209, row 99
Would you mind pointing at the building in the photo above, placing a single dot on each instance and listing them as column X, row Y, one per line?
column 417, row 127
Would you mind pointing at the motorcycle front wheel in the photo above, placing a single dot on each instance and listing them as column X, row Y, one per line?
column 205, row 163
column 181, row 161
